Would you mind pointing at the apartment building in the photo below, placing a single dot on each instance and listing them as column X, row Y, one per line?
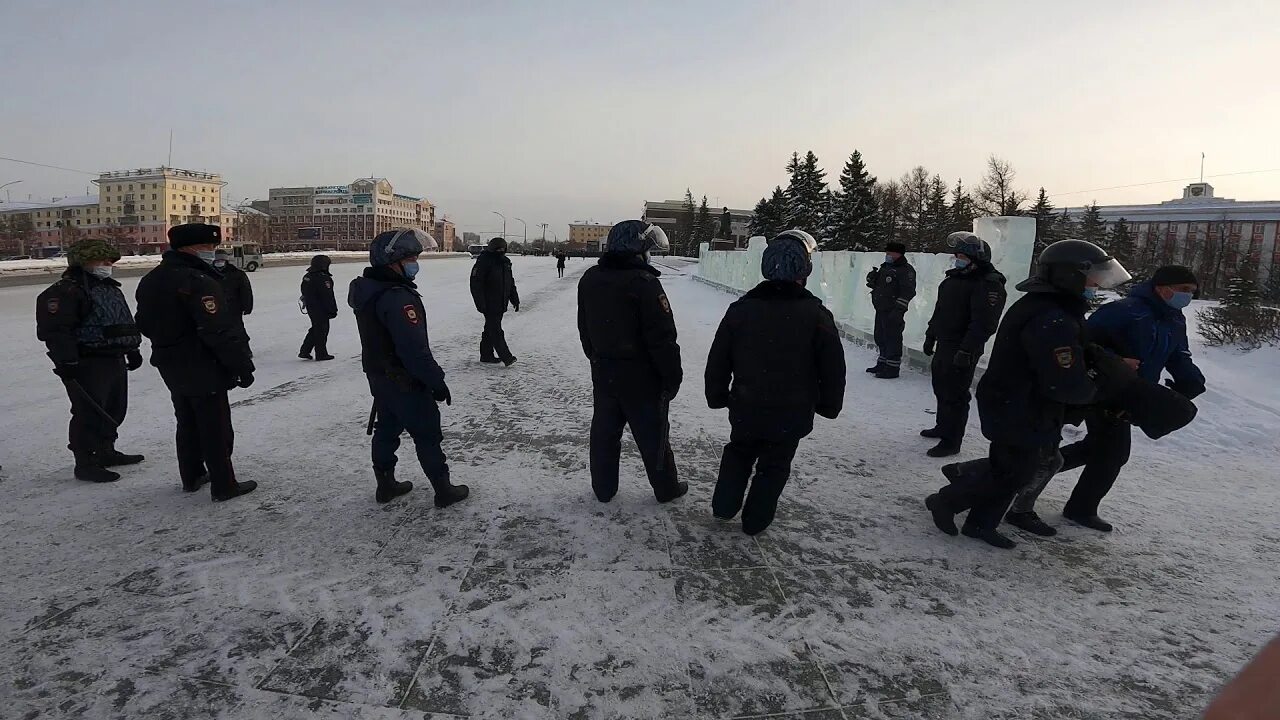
column 343, row 216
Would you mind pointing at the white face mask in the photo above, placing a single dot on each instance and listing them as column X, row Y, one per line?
column 219, row 263
column 102, row 271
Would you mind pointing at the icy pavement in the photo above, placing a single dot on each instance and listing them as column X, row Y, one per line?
column 531, row 600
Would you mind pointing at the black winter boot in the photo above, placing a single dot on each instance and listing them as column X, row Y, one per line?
column 943, row 516
column 90, row 469
column 240, row 488
column 888, row 372
column 682, row 488
column 951, row 472
column 324, row 356
column 196, row 484
column 1090, row 521
column 990, row 537
column 1030, row 522
column 932, row 433
column 388, row 487
column 945, row 448
column 447, row 493
column 113, row 458
column 875, row 368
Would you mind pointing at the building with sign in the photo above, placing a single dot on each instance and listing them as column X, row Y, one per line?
column 588, row 235
column 133, row 208
column 347, row 216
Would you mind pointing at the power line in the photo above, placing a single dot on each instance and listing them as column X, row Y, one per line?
column 1163, row 182
column 51, row 167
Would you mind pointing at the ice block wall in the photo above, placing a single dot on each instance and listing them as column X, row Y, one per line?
column 839, row 277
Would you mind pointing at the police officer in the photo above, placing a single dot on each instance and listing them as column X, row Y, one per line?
column 629, row 335
column 320, row 306
column 893, row 284
column 493, row 288
column 967, row 312
column 197, row 345
column 85, row 322
column 1038, row 367
column 780, row 347
column 395, row 353
column 236, row 289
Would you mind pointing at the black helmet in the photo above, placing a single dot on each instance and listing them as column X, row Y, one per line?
column 1072, row 265
column 970, row 245
column 395, row 245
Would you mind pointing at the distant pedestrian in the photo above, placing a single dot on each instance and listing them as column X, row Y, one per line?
column 236, row 288
column 779, row 348
column 493, row 288
column 893, row 284
column 85, row 322
column 320, row 306
column 560, row 264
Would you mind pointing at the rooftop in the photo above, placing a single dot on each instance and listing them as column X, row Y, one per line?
column 69, row 201
column 161, row 171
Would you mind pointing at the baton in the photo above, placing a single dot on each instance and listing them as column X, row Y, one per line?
column 373, row 415
column 87, row 399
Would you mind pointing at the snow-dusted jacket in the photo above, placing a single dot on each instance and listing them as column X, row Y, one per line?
column 1145, row 327
column 892, row 286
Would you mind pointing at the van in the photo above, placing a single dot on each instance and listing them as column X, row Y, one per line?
column 475, row 250
column 246, row 256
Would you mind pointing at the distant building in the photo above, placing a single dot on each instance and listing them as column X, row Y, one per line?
column 1210, row 234
column 588, row 235
column 471, row 238
column 343, row 216
column 667, row 214
column 446, row 234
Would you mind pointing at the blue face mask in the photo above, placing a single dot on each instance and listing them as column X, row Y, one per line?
column 1090, row 293
column 962, row 263
column 1179, row 300
column 410, row 270
column 888, row 259
column 206, row 255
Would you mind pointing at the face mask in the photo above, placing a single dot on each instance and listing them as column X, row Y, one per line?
column 206, row 256
column 1090, row 293
column 410, row 270
column 1179, row 300
column 102, row 271
column 888, row 259
column 219, row 263
column 645, row 255
column 962, row 263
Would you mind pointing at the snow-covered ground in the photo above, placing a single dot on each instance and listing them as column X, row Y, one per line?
column 306, row 599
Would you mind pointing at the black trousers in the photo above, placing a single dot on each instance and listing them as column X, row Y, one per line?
column 493, row 342
column 1103, row 452
column 888, row 336
column 317, row 337
column 560, row 270
column 205, row 439
column 106, row 380
column 646, row 414
column 771, row 462
column 987, row 495
column 951, row 387
column 399, row 410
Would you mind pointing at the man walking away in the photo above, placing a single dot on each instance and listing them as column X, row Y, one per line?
column 320, row 306
column 893, row 284
column 493, row 288
column 780, row 348
column 85, row 322
column 629, row 335
column 236, row 289
column 970, row 300
column 201, row 354
column 406, row 381
column 560, row 264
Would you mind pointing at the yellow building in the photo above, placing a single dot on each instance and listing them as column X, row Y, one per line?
column 588, row 235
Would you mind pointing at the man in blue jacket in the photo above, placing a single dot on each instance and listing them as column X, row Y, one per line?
column 404, row 377
column 1149, row 327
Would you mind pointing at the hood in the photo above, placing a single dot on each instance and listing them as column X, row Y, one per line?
column 1146, row 291
column 320, row 263
column 373, row 282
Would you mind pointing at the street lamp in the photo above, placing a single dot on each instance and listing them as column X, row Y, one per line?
column 524, row 242
column 504, row 223
column 6, row 192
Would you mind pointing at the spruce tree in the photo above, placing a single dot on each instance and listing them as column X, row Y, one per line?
column 1123, row 247
column 807, row 197
column 1046, row 221
column 770, row 215
column 915, row 198
column 937, row 217
column 685, row 226
column 889, row 200
column 855, row 214
column 1092, row 228
column 962, row 208
column 704, row 230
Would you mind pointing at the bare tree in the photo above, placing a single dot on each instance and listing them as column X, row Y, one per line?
column 996, row 194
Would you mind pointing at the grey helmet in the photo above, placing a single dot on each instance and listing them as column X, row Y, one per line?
column 971, row 246
column 393, row 246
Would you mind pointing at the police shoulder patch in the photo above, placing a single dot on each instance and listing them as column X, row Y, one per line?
column 210, row 304
column 411, row 314
column 53, row 305
column 328, row 284
column 665, row 303
column 993, row 298
column 1065, row 356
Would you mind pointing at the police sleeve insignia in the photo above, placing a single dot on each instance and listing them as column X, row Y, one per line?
column 411, row 314
column 1065, row 356
column 210, row 304
column 52, row 306
column 665, row 303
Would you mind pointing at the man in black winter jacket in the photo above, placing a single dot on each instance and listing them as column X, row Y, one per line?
column 780, row 348
column 85, row 322
column 236, row 289
column 1038, row 368
column 970, row 300
column 893, row 284
column 629, row 335
column 492, row 288
column 320, row 306
column 201, row 353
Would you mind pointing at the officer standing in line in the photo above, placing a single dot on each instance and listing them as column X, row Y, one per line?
column 85, row 322
column 320, row 306
column 406, row 382
column 629, row 335
column 197, row 345
column 1038, row 368
column 970, row 300
column 780, row 348
column 236, row 289
column 493, row 288
column 893, row 284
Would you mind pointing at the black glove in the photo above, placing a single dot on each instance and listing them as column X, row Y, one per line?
column 1190, row 392
column 718, row 401
column 873, row 277
column 669, row 394
column 245, row 380
column 67, row 371
column 929, row 345
column 441, row 394
column 1109, row 371
column 133, row 360
column 963, row 360
column 515, row 307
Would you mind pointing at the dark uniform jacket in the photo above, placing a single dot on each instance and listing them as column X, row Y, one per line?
column 892, row 286
column 236, row 289
column 393, row 330
column 781, row 349
column 83, row 314
column 968, row 308
column 317, row 294
column 492, row 285
column 196, row 342
column 626, row 326
column 1037, row 368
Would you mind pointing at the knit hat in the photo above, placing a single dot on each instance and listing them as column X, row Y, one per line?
column 786, row 258
column 1174, row 275
column 91, row 250
column 498, row 244
column 896, row 247
column 181, row 236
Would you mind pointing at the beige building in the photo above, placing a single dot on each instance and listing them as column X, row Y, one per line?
column 588, row 235
column 343, row 216
column 446, row 234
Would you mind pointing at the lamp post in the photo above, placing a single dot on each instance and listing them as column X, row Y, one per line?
column 6, row 192
column 525, row 242
column 504, row 223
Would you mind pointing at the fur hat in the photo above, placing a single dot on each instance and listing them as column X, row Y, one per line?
column 181, row 236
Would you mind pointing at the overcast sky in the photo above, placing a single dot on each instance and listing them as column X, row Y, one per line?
column 555, row 111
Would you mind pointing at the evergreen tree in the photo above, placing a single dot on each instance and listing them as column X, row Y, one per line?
column 770, row 215
column 889, row 200
column 915, row 198
column 808, row 202
column 686, row 221
column 1123, row 247
column 962, row 208
column 704, row 229
column 1046, row 222
column 1241, row 319
column 1092, row 228
column 937, row 217
column 855, row 214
